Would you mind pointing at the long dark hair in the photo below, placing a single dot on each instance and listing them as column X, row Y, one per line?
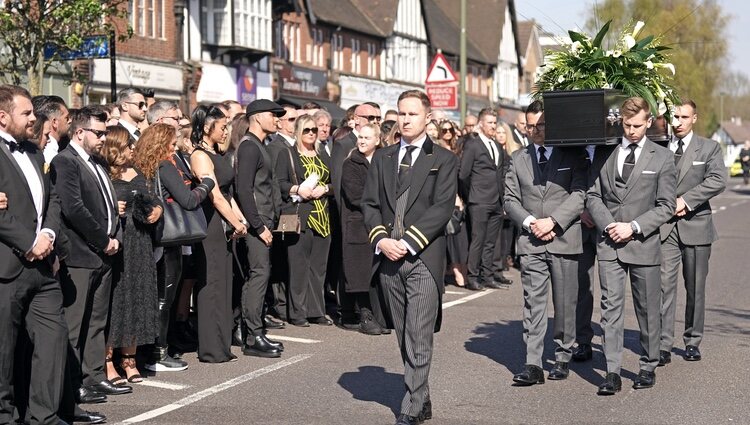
column 203, row 115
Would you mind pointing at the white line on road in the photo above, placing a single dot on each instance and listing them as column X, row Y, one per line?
column 455, row 292
column 164, row 385
column 215, row 389
column 294, row 339
column 467, row 298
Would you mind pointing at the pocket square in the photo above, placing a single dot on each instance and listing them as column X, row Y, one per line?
column 563, row 169
column 699, row 162
column 649, row 172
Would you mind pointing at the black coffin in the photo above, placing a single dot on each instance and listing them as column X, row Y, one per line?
column 582, row 117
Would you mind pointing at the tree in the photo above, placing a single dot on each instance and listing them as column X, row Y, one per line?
column 696, row 32
column 27, row 26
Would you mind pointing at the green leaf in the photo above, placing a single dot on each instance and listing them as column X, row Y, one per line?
column 600, row 35
column 644, row 42
column 576, row 36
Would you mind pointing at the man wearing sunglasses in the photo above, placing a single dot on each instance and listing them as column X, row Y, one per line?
column 132, row 104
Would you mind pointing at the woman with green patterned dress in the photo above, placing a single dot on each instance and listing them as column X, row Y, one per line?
column 304, row 178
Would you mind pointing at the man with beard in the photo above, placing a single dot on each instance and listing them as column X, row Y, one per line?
column 132, row 105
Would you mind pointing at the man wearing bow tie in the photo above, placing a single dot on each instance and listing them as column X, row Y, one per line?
column 687, row 237
column 30, row 297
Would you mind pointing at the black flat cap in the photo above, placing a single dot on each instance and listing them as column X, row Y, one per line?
column 264, row 105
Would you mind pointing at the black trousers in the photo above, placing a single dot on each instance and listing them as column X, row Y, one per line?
column 485, row 222
column 86, row 298
column 276, row 292
column 169, row 272
column 255, row 285
column 307, row 256
column 32, row 303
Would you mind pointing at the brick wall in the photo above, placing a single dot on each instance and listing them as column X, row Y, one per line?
column 162, row 47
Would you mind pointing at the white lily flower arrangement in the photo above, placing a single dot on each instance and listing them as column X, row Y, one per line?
column 636, row 66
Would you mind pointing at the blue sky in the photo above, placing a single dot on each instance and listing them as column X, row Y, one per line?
column 559, row 16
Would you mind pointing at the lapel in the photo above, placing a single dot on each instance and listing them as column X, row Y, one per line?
column 643, row 160
column 528, row 159
column 390, row 172
column 86, row 167
column 687, row 159
column 420, row 170
column 40, row 173
column 552, row 164
column 17, row 167
column 611, row 169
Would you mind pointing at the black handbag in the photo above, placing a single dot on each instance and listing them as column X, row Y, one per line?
column 290, row 223
column 179, row 226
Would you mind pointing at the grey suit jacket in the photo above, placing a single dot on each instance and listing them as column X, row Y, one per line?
column 701, row 176
column 648, row 199
column 561, row 198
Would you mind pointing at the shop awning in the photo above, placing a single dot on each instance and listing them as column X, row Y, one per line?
column 335, row 110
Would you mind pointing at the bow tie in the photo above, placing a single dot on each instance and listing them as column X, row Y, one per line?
column 14, row 146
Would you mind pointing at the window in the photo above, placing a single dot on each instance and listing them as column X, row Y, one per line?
column 147, row 18
column 314, row 50
column 355, row 60
column 215, row 21
column 372, row 64
column 288, row 44
column 337, row 52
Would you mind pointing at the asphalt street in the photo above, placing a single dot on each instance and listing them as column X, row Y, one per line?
column 331, row 376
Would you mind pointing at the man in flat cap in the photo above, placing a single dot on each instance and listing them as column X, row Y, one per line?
column 259, row 199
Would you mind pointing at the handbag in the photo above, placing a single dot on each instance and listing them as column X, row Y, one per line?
column 454, row 224
column 179, row 226
column 290, row 222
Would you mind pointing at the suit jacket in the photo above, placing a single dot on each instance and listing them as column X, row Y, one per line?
column 285, row 178
column 276, row 147
column 18, row 222
column 432, row 196
column 648, row 199
column 515, row 133
column 562, row 198
column 480, row 180
column 701, row 175
column 84, row 209
column 339, row 152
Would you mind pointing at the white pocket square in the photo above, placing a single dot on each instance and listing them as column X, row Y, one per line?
column 563, row 169
column 649, row 172
column 698, row 162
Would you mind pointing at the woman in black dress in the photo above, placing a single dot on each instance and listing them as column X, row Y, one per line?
column 457, row 241
column 133, row 314
column 308, row 251
column 225, row 221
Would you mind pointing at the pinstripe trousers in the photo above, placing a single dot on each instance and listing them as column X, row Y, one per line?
column 412, row 298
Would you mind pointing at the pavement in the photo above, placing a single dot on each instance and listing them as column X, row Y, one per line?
column 331, row 376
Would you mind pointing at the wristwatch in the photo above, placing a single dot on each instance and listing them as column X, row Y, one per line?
column 634, row 227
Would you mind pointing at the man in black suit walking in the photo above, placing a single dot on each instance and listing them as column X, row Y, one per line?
column 90, row 223
column 407, row 202
column 29, row 294
column 484, row 164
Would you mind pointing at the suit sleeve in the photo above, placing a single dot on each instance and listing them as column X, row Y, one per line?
column 665, row 199
column 432, row 223
column 249, row 160
column 714, row 180
column 512, row 199
column 67, row 181
column 594, row 197
column 570, row 210
column 464, row 170
column 371, row 202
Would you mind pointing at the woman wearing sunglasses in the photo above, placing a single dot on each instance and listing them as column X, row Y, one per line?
column 457, row 240
column 305, row 182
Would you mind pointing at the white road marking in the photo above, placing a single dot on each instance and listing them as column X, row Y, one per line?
column 200, row 395
column 165, row 385
column 455, row 292
column 467, row 298
column 294, row 339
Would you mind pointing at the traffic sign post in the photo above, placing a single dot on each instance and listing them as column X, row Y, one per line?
column 441, row 84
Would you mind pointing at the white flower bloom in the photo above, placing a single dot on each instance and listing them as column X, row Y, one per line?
column 675, row 121
column 662, row 108
column 575, row 47
column 629, row 41
column 670, row 67
column 638, row 27
column 560, row 79
column 609, row 53
column 649, row 64
column 617, row 53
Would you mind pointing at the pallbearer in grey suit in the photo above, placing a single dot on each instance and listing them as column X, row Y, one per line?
column 544, row 195
column 631, row 194
column 407, row 202
column 687, row 237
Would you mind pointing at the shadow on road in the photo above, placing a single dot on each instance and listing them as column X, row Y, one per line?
column 373, row 383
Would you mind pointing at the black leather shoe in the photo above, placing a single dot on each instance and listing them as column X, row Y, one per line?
column 271, row 323
column 277, row 344
column 665, row 357
column 322, row 320
column 88, row 396
column 106, row 387
column 559, row 372
column 692, row 354
column 426, row 412
column 612, row 384
column 88, row 417
column 583, row 353
column 404, row 419
column 237, row 337
column 300, row 322
column 531, row 375
column 473, row 286
column 644, row 380
column 502, row 280
column 261, row 347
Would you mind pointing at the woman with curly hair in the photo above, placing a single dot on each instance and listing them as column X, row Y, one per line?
column 133, row 317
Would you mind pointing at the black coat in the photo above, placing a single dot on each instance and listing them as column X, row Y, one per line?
column 357, row 252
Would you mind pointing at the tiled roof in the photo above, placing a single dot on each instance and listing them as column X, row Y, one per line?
column 738, row 131
column 357, row 15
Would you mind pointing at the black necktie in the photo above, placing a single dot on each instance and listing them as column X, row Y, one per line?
column 14, row 146
column 629, row 164
column 404, row 167
column 678, row 153
column 492, row 152
column 103, row 186
column 542, row 159
column 137, row 134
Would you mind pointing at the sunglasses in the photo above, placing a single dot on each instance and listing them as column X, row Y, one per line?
column 97, row 133
column 313, row 130
column 140, row 105
column 288, row 119
column 370, row 118
column 446, row 130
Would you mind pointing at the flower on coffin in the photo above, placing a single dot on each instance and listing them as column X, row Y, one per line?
column 636, row 66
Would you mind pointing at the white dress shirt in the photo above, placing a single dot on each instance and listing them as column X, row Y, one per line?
column 673, row 145
column 51, row 149
column 105, row 191
column 490, row 145
column 288, row 139
column 623, row 151
column 130, row 127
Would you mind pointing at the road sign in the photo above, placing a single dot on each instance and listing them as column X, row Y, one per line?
column 96, row 46
column 440, row 72
column 443, row 96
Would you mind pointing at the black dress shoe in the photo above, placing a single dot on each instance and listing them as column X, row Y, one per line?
column 583, row 353
column 300, row 322
column 692, row 354
column 644, row 380
column 665, row 357
column 322, row 320
column 277, row 344
column 88, row 417
column 426, row 412
column 531, row 375
column 404, row 419
column 473, row 286
column 271, row 323
column 611, row 385
column 504, row 281
column 237, row 337
column 106, row 387
column 261, row 347
column 559, row 372
column 89, row 396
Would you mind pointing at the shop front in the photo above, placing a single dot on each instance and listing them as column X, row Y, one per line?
column 297, row 86
column 165, row 79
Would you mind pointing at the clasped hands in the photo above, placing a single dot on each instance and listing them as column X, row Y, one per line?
column 542, row 229
column 620, row 232
column 394, row 250
column 307, row 193
column 681, row 208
